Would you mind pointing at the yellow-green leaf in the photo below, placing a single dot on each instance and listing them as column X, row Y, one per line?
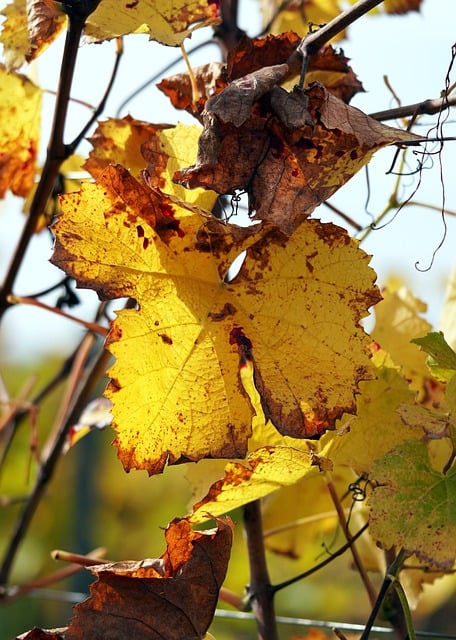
column 442, row 358
column 377, row 426
column 414, row 506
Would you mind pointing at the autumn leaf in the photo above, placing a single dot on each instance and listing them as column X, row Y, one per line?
column 398, row 321
column 377, row 426
column 299, row 515
column 297, row 16
column 29, row 29
column 287, row 172
column 168, row 22
column 414, row 506
column 20, row 111
column 264, row 470
column 401, row 6
column 185, row 400
column 151, row 152
column 251, row 56
column 119, row 141
column 171, row 598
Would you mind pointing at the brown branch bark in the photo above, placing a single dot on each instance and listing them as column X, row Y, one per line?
column 259, row 590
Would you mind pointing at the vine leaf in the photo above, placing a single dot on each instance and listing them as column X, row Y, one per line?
column 30, row 27
column 169, row 22
column 398, row 322
column 442, row 358
column 264, row 471
column 250, row 55
column 152, row 152
column 287, row 166
column 377, row 426
column 20, row 108
column 170, row 598
column 185, row 400
column 414, row 506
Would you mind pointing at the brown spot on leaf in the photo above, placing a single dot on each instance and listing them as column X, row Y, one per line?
column 165, row 338
column 228, row 310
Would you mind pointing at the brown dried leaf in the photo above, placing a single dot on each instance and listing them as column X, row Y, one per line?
column 210, row 78
column 45, row 22
column 171, row 598
column 234, row 103
column 286, row 173
column 43, row 634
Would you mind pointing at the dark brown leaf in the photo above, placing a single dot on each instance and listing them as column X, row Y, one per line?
column 171, row 598
column 287, row 172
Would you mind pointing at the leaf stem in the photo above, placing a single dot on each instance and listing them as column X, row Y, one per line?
column 260, row 592
column 344, row 525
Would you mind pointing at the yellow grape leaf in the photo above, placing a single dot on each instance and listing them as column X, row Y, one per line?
column 14, row 36
column 167, row 21
column 377, row 426
column 185, row 399
column 298, row 17
column 263, row 471
column 414, row 506
column 154, row 152
column 119, row 141
column 398, row 321
column 401, row 6
column 30, row 27
column 20, row 111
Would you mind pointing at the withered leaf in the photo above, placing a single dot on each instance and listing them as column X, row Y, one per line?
column 43, row 634
column 287, row 173
column 170, row 598
column 234, row 103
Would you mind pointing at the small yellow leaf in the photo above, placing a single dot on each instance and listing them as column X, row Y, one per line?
column 264, row 471
column 29, row 29
column 167, row 21
column 20, row 105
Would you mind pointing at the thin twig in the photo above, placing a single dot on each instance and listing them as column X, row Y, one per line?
column 428, row 107
column 313, row 41
column 309, row 572
column 356, row 557
column 91, row 326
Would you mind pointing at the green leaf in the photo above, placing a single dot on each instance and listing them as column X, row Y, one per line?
column 442, row 358
column 414, row 506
